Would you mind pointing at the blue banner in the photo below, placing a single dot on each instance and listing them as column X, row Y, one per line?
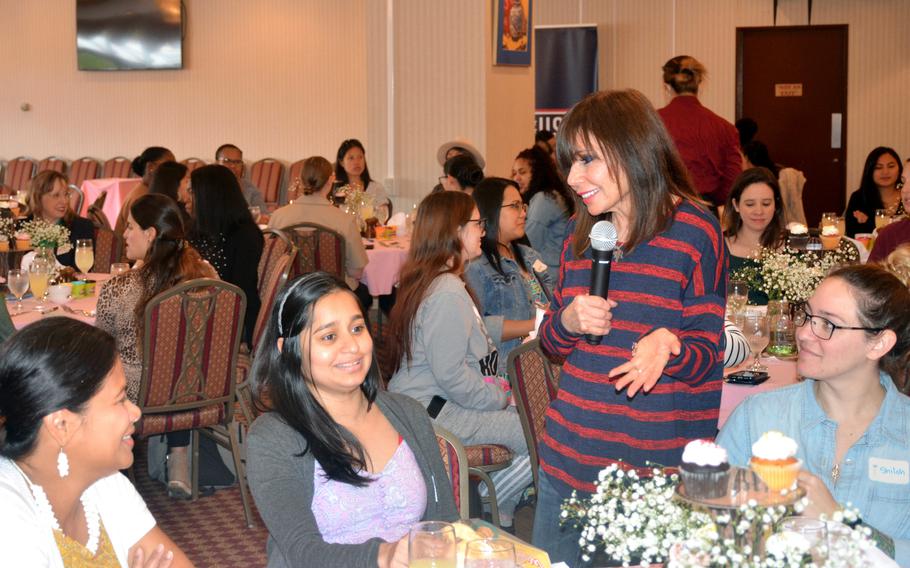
column 566, row 71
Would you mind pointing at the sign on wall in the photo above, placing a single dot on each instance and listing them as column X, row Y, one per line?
column 566, row 71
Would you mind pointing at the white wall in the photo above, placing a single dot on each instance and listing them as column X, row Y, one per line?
column 638, row 36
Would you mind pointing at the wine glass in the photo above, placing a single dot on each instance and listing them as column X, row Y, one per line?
column 118, row 268
column 828, row 218
column 431, row 544
column 85, row 256
column 489, row 553
column 738, row 296
column 17, row 280
column 255, row 212
column 755, row 328
column 882, row 219
column 39, row 272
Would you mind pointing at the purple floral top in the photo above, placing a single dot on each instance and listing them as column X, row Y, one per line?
column 386, row 508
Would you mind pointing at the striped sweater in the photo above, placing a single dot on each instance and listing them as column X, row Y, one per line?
column 677, row 280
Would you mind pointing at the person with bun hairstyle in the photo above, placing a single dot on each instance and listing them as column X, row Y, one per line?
column 144, row 166
column 462, row 173
column 850, row 422
column 707, row 144
column 66, row 428
column 898, row 263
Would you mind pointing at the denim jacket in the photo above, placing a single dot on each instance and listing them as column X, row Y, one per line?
column 505, row 297
column 546, row 230
column 875, row 473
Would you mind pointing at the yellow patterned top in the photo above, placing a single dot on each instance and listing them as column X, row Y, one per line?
column 76, row 555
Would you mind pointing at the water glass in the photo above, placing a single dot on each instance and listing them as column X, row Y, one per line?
column 490, row 553
column 17, row 281
column 882, row 218
column 431, row 544
column 738, row 296
column 256, row 213
column 118, row 268
column 828, row 218
column 755, row 328
column 814, row 531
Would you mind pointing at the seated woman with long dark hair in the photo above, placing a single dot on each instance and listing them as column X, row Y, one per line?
column 226, row 235
column 143, row 165
column 172, row 179
column 340, row 469
column 66, row 429
column 48, row 200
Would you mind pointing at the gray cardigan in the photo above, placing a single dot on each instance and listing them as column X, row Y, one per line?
column 282, row 485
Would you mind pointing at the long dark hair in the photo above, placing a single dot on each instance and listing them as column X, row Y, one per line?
column 281, row 380
column 148, row 156
column 464, row 169
column 883, row 302
column 170, row 258
column 869, row 196
column 219, row 207
column 342, row 175
column 50, row 365
column 632, row 138
column 774, row 232
column 166, row 179
column 757, row 153
column 436, row 249
column 488, row 196
column 545, row 178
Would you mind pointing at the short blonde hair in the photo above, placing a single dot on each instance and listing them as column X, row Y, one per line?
column 898, row 263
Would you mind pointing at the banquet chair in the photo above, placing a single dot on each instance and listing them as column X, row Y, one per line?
column 484, row 459
column 318, row 248
column 77, row 198
column 191, row 340
column 456, row 463
column 96, row 212
column 277, row 243
column 192, row 163
column 533, row 390
column 52, row 163
column 294, row 178
column 83, row 169
column 266, row 175
column 109, row 248
column 18, row 173
column 118, row 167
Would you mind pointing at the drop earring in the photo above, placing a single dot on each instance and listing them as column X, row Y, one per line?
column 63, row 463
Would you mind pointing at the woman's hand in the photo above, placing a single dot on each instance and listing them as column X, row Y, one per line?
column 393, row 554
column 588, row 314
column 157, row 559
column 649, row 358
column 821, row 502
column 860, row 216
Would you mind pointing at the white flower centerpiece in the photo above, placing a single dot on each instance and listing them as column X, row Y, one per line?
column 639, row 520
column 48, row 235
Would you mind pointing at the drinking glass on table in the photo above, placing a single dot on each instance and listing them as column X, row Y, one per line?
column 256, row 212
column 738, row 297
column 814, row 531
column 882, row 218
column 85, row 255
column 431, row 544
column 489, row 553
column 755, row 328
column 828, row 218
column 17, row 280
column 39, row 272
column 118, row 268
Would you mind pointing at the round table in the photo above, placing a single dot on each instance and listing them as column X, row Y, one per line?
column 31, row 315
column 781, row 373
column 384, row 262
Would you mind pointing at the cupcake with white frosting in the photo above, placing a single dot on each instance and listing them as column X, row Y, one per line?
column 704, row 471
column 774, row 460
column 799, row 235
column 830, row 237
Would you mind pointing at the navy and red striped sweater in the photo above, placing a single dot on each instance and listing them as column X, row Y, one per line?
column 677, row 280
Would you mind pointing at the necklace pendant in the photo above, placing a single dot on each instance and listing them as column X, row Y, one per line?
column 835, row 473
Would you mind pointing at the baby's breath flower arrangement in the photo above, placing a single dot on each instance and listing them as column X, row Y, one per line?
column 792, row 275
column 639, row 521
column 48, row 235
column 7, row 228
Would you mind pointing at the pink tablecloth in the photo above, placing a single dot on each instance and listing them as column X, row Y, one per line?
column 384, row 263
column 31, row 316
column 117, row 190
column 782, row 374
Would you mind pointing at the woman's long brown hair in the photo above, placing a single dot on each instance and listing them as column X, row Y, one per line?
column 435, row 250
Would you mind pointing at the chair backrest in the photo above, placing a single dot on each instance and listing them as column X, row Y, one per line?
column 118, row 167
column 96, row 213
column 83, row 169
column 529, row 372
column 109, row 248
column 294, row 172
column 276, row 244
column 52, row 163
column 274, row 277
column 190, row 344
column 192, row 163
column 456, row 464
column 18, row 173
column 77, row 198
column 318, row 248
column 266, row 175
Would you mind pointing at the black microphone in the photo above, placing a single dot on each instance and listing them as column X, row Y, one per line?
column 603, row 241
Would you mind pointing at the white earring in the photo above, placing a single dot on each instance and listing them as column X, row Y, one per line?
column 63, row 463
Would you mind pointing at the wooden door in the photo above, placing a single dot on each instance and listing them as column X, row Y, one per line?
column 793, row 81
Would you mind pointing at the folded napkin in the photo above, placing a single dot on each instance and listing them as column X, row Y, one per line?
column 400, row 222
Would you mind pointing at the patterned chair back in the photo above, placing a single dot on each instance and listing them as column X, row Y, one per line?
column 318, row 248
column 456, row 464
column 529, row 372
column 52, row 163
column 19, row 172
column 83, row 169
column 294, row 172
column 191, row 340
column 118, row 167
column 274, row 277
column 96, row 212
column 192, row 163
column 77, row 198
column 109, row 248
column 266, row 175
column 277, row 243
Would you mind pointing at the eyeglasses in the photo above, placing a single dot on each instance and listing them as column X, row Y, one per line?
column 821, row 327
column 481, row 223
column 230, row 162
column 517, row 206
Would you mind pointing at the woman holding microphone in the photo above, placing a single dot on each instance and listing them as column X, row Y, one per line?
column 653, row 381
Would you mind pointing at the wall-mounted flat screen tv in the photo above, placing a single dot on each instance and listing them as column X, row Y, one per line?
column 129, row 34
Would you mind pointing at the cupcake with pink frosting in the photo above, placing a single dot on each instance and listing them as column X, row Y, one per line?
column 704, row 470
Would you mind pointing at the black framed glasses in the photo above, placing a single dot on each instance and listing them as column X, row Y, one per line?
column 517, row 206
column 823, row 328
column 482, row 223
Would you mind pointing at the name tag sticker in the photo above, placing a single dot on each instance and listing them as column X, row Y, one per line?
column 889, row 471
column 539, row 266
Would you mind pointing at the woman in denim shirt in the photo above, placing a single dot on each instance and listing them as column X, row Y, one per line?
column 550, row 204
column 851, row 423
column 509, row 279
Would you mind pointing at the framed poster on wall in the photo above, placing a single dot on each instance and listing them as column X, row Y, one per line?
column 512, row 32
